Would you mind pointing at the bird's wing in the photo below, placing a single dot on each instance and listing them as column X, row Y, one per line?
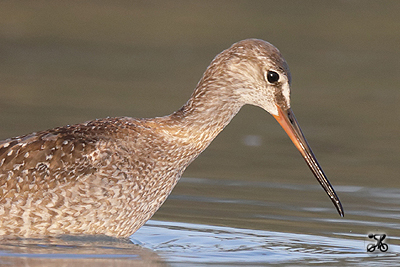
column 48, row 158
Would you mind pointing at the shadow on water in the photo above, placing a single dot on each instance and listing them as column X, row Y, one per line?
column 76, row 251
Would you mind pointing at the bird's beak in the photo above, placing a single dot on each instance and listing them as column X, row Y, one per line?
column 289, row 123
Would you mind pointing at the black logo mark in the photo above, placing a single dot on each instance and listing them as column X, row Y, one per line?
column 379, row 243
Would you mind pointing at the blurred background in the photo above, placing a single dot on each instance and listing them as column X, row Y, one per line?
column 66, row 62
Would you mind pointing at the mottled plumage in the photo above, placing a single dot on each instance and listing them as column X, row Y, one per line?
column 109, row 176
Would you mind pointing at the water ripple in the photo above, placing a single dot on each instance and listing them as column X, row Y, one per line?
column 194, row 243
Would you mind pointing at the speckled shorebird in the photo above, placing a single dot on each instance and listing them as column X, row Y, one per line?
column 109, row 176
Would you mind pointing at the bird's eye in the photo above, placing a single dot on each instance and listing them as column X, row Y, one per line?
column 272, row 76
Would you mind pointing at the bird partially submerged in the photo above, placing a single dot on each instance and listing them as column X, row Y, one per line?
column 109, row 176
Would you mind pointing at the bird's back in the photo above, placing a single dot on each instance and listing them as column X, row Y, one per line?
column 101, row 177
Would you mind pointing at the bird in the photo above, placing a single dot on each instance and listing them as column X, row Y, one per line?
column 109, row 176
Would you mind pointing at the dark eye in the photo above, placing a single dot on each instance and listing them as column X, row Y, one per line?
column 272, row 76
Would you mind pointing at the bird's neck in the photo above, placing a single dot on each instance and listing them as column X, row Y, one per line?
column 203, row 117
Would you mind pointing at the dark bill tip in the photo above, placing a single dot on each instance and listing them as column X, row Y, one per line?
column 289, row 123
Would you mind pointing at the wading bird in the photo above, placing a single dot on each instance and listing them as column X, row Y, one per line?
column 109, row 176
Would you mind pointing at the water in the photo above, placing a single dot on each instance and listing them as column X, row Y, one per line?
column 309, row 236
column 249, row 199
column 183, row 244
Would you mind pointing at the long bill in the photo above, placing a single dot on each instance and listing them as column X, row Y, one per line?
column 289, row 123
